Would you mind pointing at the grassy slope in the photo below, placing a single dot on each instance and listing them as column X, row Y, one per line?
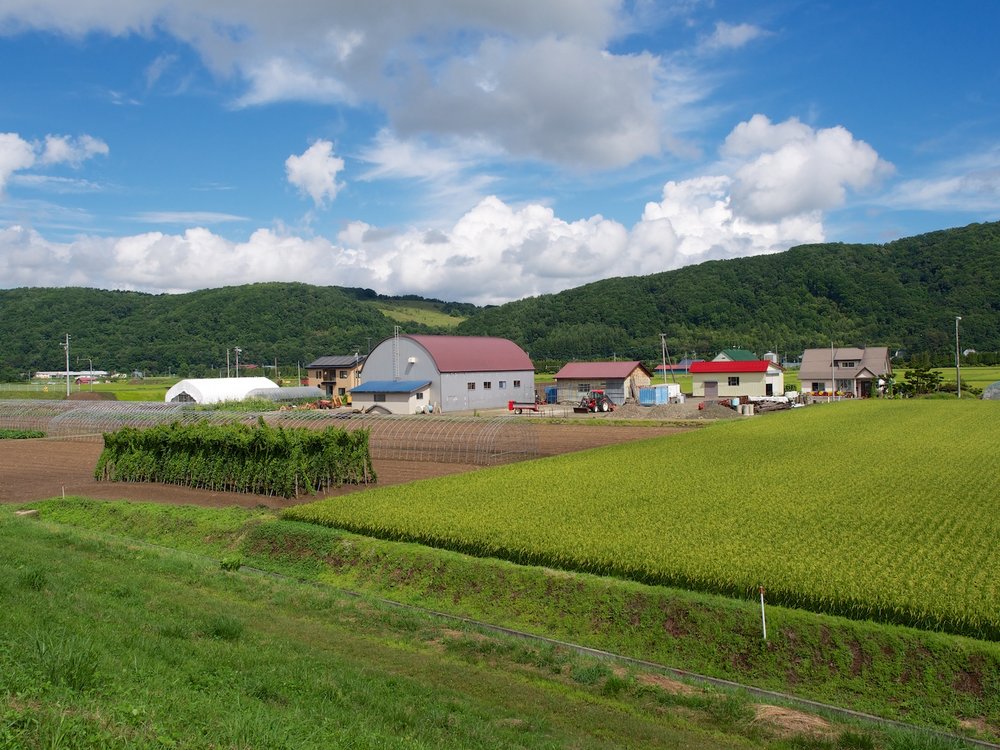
column 920, row 677
column 425, row 313
column 106, row 643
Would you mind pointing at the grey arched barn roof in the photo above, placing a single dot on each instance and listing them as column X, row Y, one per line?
column 992, row 391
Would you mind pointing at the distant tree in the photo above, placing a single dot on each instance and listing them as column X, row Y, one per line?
column 919, row 381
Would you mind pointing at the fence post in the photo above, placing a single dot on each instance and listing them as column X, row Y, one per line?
column 763, row 619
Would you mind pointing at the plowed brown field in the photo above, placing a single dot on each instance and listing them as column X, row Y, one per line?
column 40, row 469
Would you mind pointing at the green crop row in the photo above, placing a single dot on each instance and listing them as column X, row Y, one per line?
column 236, row 457
column 875, row 510
column 20, row 434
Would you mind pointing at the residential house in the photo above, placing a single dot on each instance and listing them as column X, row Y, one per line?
column 736, row 355
column 735, row 378
column 335, row 375
column 844, row 371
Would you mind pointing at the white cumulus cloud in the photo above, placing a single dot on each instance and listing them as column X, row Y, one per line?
column 790, row 168
column 61, row 149
column 732, row 36
column 315, row 171
column 17, row 154
column 539, row 80
column 768, row 192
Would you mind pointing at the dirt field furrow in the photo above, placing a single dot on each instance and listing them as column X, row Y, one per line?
column 40, row 469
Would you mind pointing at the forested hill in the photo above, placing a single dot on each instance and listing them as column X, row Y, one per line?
column 190, row 333
column 904, row 294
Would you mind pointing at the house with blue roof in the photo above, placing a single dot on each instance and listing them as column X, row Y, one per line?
column 392, row 397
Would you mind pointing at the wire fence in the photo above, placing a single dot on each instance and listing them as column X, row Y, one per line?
column 482, row 441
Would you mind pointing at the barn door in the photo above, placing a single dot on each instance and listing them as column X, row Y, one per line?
column 712, row 389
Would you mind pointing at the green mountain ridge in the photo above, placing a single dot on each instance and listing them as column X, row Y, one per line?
column 903, row 294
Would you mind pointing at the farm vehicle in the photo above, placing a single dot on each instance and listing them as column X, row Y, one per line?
column 520, row 406
column 595, row 401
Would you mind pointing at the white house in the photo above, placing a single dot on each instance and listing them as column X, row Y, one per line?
column 462, row 373
column 393, row 397
column 731, row 378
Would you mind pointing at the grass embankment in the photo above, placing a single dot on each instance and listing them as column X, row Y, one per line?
column 932, row 679
column 105, row 643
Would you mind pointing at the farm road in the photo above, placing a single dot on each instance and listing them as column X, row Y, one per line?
column 41, row 469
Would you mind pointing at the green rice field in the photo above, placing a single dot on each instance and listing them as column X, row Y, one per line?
column 882, row 510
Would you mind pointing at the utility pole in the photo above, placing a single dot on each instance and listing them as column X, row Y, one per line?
column 66, row 347
column 958, row 359
column 666, row 356
column 237, row 350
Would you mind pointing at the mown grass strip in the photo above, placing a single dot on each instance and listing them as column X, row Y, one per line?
column 119, row 646
column 913, row 676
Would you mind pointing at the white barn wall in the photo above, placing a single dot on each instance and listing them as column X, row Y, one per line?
column 456, row 395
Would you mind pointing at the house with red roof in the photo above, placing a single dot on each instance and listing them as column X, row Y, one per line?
column 444, row 374
column 621, row 381
column 733, row 378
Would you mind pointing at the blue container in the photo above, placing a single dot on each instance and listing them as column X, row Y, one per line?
column 653, row 396
column 551, row 394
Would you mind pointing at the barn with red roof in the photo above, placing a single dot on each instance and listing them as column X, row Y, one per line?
column 434, row 373
column 621, row 381
column 729, row 378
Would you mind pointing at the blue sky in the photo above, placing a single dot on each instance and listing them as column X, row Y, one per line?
column 479, row 151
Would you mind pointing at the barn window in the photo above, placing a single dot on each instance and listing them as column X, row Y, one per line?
column 487, row 385
column 583, row 387
column 377, row 397
column 517, row 383
column 502, row 384
column 471, row 386
column 734, row 380
column 420, row 395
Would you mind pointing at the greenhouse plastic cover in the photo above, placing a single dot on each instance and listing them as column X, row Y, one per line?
column 214, row 390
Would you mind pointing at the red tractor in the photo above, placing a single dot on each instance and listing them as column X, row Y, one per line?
column 595, row 401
